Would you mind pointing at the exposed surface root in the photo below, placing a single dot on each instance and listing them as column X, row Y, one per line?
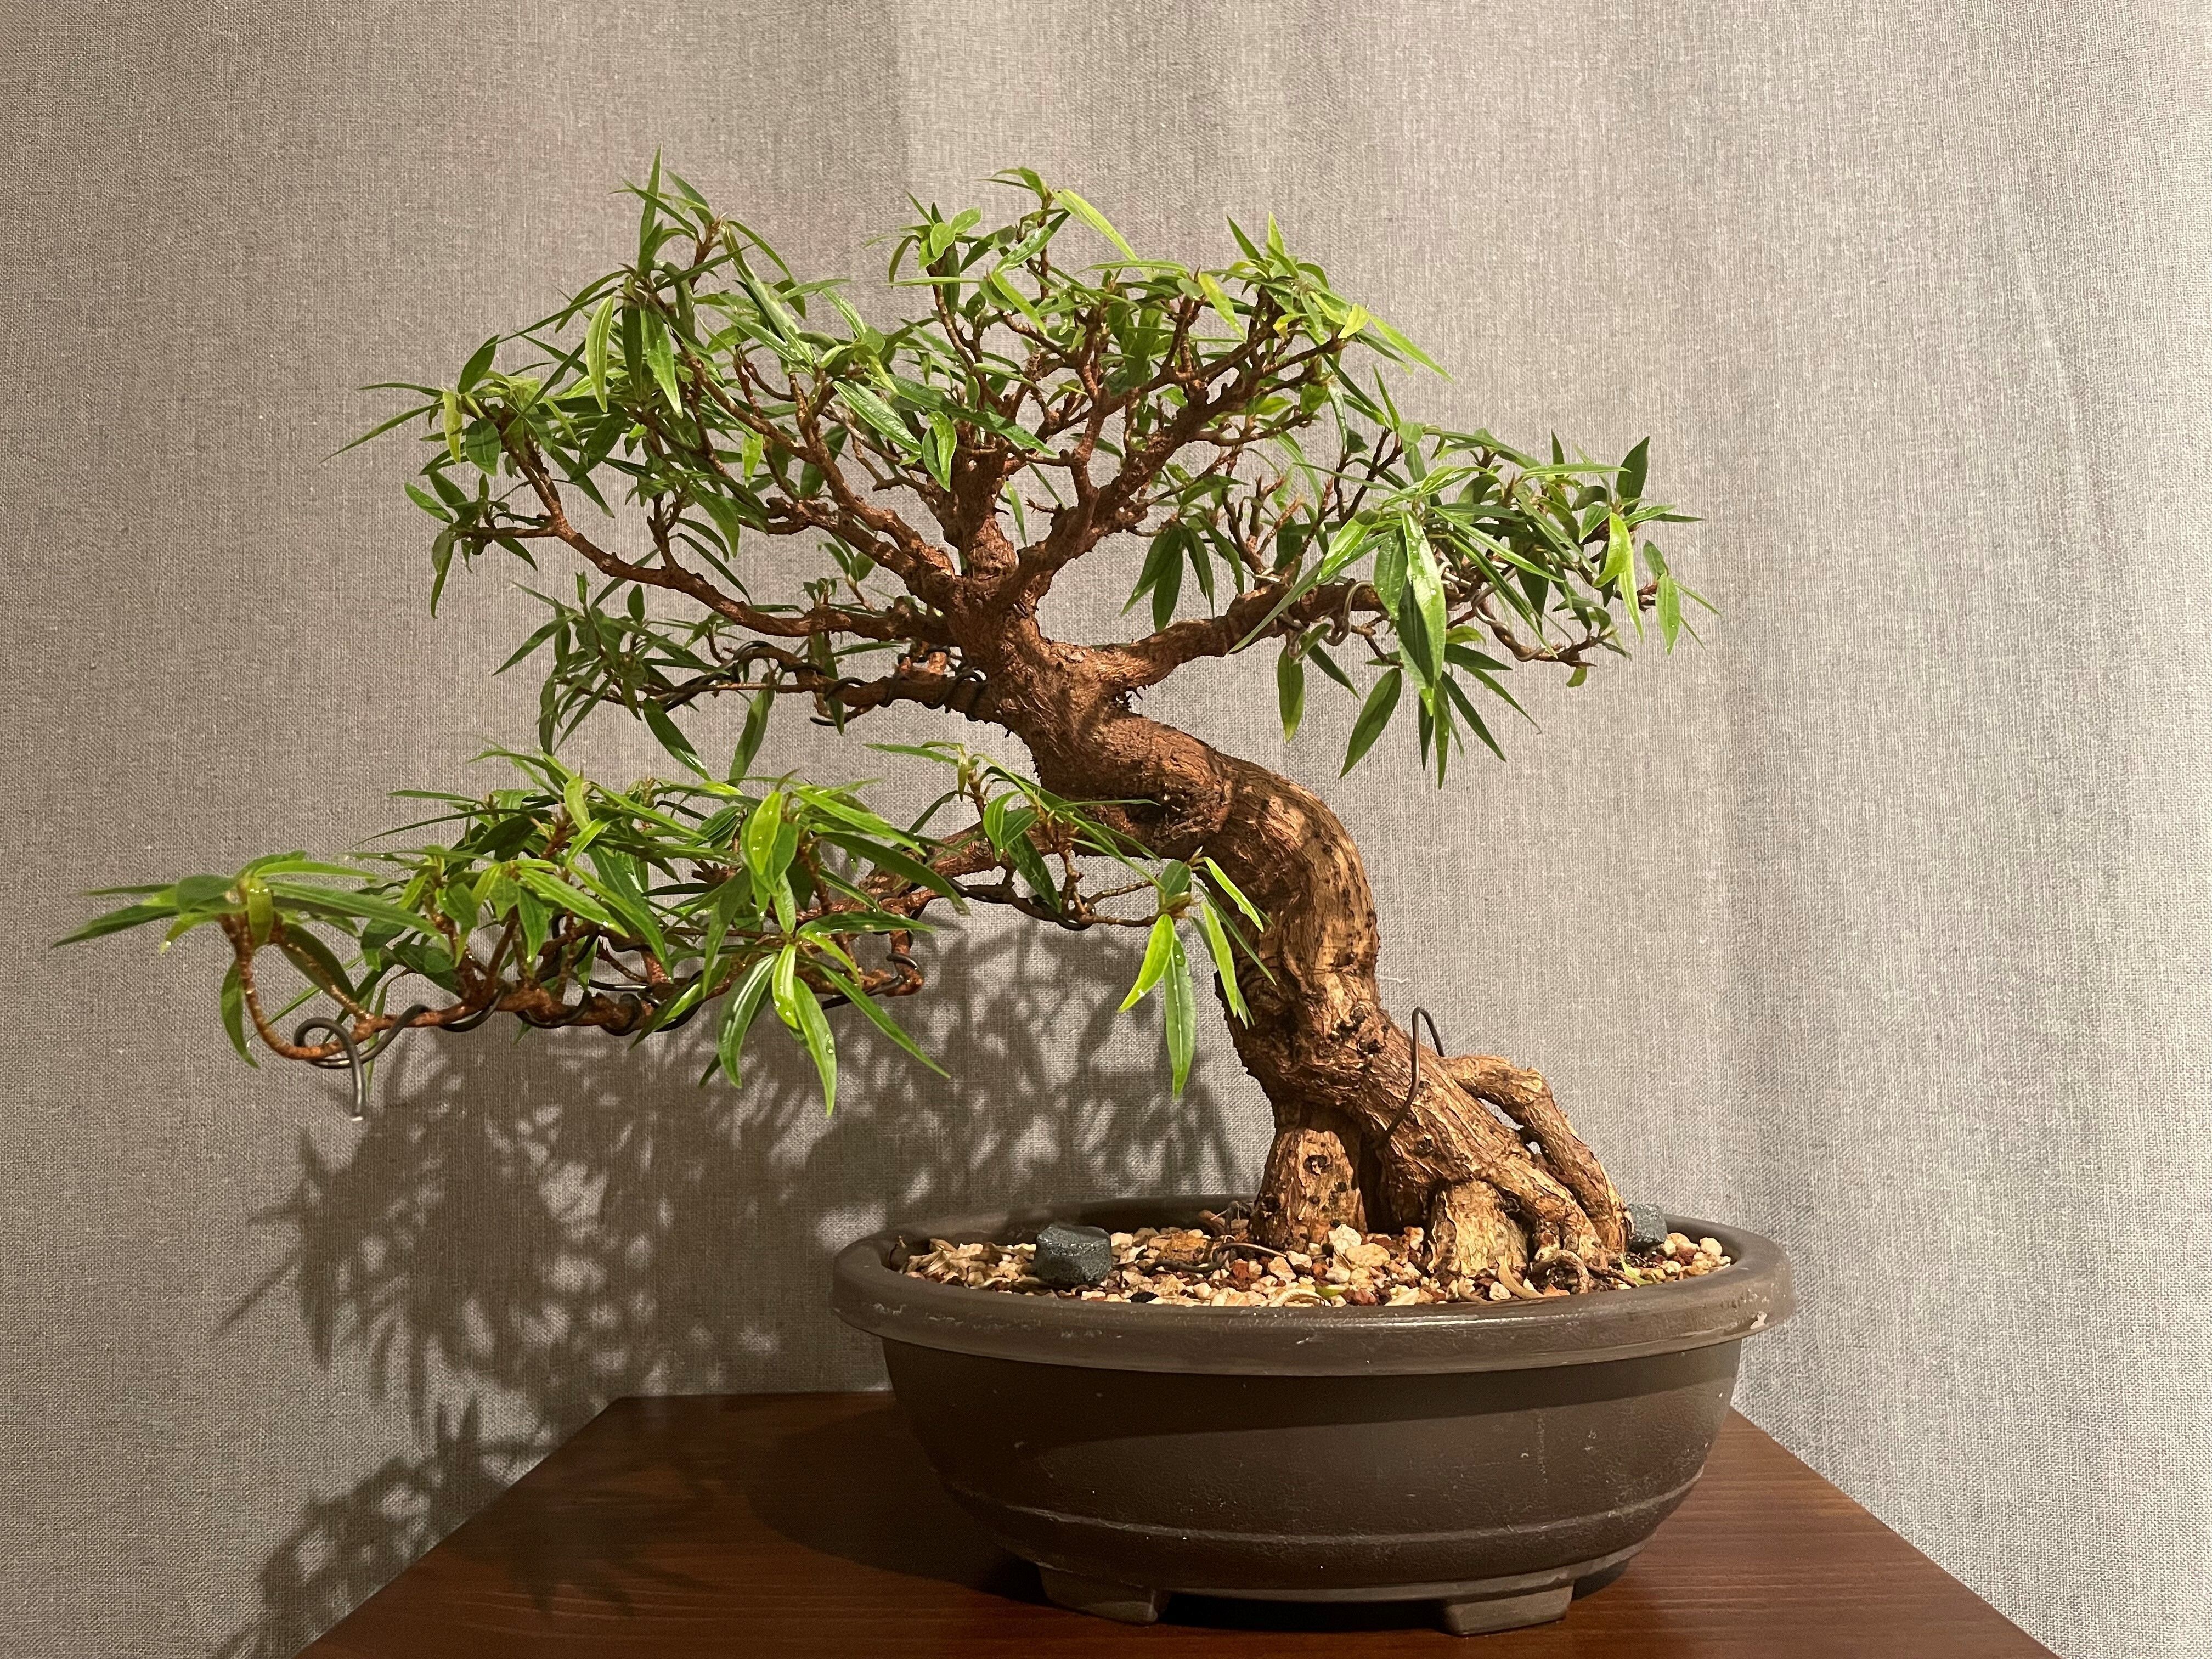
column 1480, row 1155
column 1525, row 1097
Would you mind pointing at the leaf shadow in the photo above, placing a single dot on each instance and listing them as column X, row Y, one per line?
column 520, row 1233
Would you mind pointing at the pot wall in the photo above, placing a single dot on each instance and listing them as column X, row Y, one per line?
column 1458, row 1451
column 1316, row 1487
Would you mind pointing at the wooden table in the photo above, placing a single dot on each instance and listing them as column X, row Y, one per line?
column 798, row 1525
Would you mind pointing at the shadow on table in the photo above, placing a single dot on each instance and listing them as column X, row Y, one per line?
column 521, row 1233
column 890, row 1512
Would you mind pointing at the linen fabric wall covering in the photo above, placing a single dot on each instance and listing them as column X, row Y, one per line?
column 1879, row 924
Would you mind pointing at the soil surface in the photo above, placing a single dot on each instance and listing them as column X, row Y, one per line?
column 1216, row 1264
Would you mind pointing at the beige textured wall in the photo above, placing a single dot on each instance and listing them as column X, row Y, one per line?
column 1879, row 925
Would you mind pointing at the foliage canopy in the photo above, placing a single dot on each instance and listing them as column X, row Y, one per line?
column 1051, row 395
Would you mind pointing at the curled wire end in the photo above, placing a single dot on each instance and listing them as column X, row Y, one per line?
column 355, row 1057
column 352, row 1061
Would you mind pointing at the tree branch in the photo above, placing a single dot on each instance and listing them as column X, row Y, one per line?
column 1150, row 659
column 672, row 577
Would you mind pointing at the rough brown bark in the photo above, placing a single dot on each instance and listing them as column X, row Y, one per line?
column 1349, row 1147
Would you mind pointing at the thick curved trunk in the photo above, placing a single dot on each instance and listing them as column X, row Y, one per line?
column 1349, row 1147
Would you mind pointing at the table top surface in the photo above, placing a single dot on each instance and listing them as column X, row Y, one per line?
column 809, row 1524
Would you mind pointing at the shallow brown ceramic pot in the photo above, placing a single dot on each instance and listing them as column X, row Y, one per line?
column 1495, row 1459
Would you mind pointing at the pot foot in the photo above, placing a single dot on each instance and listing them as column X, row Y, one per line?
column 1127, row 1604
column 1495, row 1613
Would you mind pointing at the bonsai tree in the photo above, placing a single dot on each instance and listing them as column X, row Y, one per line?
column 1227, row 440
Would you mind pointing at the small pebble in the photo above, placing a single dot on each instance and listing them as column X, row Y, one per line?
column 1067, row 1256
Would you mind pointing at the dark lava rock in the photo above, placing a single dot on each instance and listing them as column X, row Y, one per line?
column 1069, row 1257
column 1647, row 1226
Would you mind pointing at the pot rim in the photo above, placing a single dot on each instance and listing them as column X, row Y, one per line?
column 1752, row 1294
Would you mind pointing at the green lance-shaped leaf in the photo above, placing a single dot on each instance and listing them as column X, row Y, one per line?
column 832, row 804
column 1390, row 568
column 729, row 524
column 1217, row 297
column 618, row 885
column 878, row 1016
column 430, row 959
column 1092, row 217
column 938, row 447
column 204, row 893
column 1225, row 962
column 595, row 347
column 1349, row 542
column 660, row 358
column 738, row 1017
column 479, row 362
column 576, row 798
column 1422, row 607
column 764, row 831
column 450, row 402
column 749, row 739
column 1173, row 880
column 1318, row 655
column 1290, row 692
column 1667, row 599
column 1468, row 713
column 893, row 862
column 313, row 958
column 336, row 901
column 1001, row 288
column 879, row 416
column 481, row 444
column 671, row 737
column 1220, row 877
column 1628, row 486
column 1620, row 572
column 1167, row 589
column 1403, row 347
column 1182, row 1013
column 234, row 1012
column 382, row 426
column 1162, row 556
column 568, row 899
column 649, row 213
column 800, row 1009
column 537, row 922
column 442, row 565
column 1373, row 715
column 1159, row 946
column 259, row 912
column 1007, row 825
column 115, row 921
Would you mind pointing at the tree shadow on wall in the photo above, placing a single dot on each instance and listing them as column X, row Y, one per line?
column 521, row 1233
